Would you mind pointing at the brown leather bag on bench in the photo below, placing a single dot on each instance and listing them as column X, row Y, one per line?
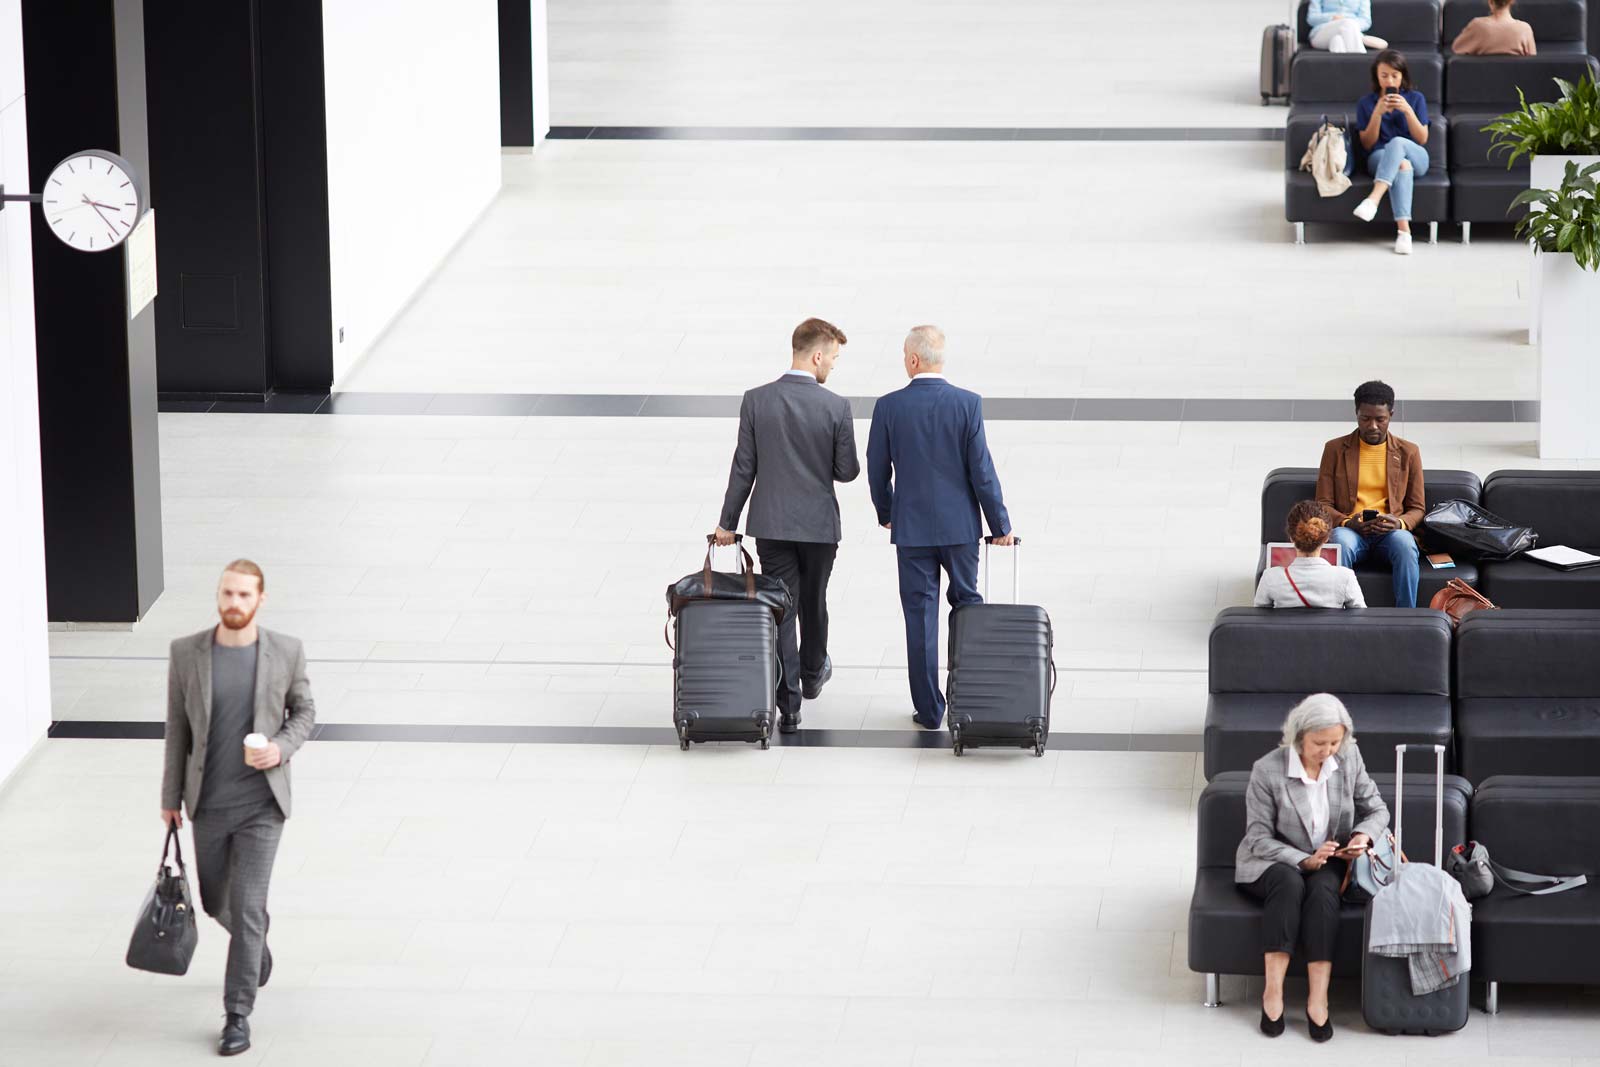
column 1458, row 599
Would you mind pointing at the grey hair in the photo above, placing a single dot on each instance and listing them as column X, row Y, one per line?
column 1317, row 712
column 927, row 344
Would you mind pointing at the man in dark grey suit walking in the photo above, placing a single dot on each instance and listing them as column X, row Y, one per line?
column 795, row 440
column 238, row 707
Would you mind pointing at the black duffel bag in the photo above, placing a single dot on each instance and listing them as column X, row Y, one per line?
column 165, row 936
column 743, row 584
column 1462, row 527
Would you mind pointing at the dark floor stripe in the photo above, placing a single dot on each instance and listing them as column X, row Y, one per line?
column 997, row 408
column 636, row 735
column 916, row 133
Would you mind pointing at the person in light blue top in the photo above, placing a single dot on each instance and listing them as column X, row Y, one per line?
column 1339, row 25
column 1392, row 122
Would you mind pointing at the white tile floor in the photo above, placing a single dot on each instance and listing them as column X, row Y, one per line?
column 619, row 904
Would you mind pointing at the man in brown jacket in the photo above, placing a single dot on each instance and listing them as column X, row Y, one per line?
column 1372, row 483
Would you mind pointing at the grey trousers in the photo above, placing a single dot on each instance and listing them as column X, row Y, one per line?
column 235, row 848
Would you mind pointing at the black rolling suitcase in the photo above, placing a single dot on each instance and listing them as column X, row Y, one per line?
column 1001, row 671
column 1387, row 1003
column 725, row 663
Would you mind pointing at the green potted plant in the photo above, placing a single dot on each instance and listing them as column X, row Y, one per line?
column 1566, row 127
column 1563, row 225
column 1549, row 136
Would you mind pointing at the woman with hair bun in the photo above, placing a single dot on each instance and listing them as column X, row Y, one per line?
column 1310, row 581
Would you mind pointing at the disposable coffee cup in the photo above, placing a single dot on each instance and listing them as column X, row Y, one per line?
column 255, row 742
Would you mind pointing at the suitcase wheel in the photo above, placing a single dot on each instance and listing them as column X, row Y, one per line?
column 765, row 743
column 959, row 748
column 683, row 743
column 1038, row 742
column 955, row 740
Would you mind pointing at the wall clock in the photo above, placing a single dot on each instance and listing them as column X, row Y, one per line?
column 91, row 201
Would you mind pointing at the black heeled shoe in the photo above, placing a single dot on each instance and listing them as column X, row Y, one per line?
column 1322, row 1033
column 1272, row 1027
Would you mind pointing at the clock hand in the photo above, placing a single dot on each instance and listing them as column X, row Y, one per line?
column 103, row 218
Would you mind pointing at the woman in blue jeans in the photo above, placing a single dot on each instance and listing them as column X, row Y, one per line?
column 1392, row 122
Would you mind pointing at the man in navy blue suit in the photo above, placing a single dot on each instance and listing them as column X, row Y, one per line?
column 930, row 473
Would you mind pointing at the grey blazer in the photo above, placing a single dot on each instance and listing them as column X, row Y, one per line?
column 795, row 440
column 1276, row 810
column 285, row 712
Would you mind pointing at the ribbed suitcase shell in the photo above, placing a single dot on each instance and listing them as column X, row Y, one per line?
column 1387, row 1003
column 725, row 672
column 1277, row 50
column 998, row 691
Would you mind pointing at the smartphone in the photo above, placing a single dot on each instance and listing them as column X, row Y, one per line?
column 1369, row 514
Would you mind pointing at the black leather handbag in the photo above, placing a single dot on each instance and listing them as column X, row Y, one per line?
column 1462, row 527
column 743, row 584
column 165, row 936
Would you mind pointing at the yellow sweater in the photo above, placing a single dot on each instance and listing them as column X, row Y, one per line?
column 1372, row 483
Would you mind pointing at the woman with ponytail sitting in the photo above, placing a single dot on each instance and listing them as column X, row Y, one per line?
column 1310, row 581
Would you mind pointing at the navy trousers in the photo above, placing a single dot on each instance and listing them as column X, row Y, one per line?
column 919, row 600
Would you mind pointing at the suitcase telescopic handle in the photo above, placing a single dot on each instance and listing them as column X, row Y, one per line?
column 1016, row 569
column 1438, row 800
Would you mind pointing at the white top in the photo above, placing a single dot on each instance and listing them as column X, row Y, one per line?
column 1316, row 794
column 929, row 374
column 801, row 373
column 1323, row 585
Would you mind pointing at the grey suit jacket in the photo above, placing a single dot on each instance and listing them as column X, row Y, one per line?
column 1276, row 811
column 284, row 712
column 795, row 440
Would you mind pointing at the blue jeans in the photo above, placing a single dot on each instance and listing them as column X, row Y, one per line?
column 1398, row 547
column 1384, row 164
column 919, row 600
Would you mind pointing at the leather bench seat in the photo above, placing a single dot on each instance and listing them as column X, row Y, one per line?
column 1286, row 486
column 1225, row 921
column 1563, row 508
column 1545, row 825
column 1527, row 687
column 1391, row 667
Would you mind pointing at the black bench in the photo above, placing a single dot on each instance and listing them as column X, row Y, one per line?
column 1527, row 692
column 1563, row 507
column 1547, row 826
column 1390, row 666
column 1286, row 486
column 1225, row 921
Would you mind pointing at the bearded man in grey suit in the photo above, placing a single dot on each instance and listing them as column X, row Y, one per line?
column 795, row 440
column 225, row 684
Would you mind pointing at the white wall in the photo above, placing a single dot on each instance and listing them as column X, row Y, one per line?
column 413, row 90
column 24, row 647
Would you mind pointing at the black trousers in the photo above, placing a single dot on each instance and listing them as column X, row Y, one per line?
column 1302, row 909
column 803, row 566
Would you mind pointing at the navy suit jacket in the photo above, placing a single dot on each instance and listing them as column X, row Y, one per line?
column 929, row 468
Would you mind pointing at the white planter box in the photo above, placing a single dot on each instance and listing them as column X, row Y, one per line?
column 1569, row 373
column 1545, row 172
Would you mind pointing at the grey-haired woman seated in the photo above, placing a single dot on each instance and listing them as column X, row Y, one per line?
column 1310, row 809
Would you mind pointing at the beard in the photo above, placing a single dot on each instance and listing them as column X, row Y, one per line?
column 234, row 619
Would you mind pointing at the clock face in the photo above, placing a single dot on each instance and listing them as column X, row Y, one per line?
column 92, row 200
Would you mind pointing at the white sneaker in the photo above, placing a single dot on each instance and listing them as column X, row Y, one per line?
column 1402, row 244
column 1376, row 43
column 1366, row 210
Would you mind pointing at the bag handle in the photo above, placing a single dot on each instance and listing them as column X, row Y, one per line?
column 1295, row 587
column 174, row 845
column 1552, row 883
column 747, row 566
column 1458, row 586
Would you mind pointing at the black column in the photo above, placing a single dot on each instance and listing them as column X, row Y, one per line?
column 516, row 74
column 84, row 65
column 238, row 140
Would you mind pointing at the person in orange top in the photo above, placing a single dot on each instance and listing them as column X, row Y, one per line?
column 1496, row 34
column 1371, row 483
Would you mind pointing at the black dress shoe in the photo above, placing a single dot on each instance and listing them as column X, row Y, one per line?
column 788, row 724
column 924, row 723
column 235, row 1036
column 1271, row 1027
column 266, row 966
column 1321, row 1033
column 812, row 689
